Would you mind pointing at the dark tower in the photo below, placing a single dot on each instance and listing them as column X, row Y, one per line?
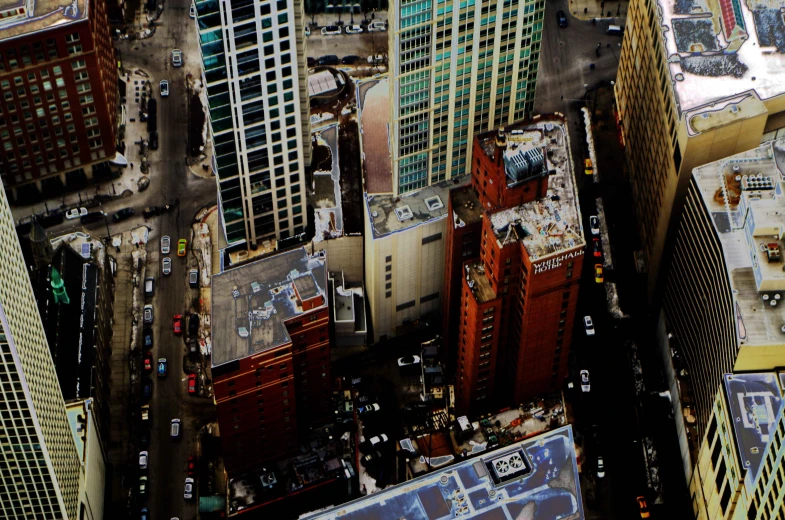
column 42, row 247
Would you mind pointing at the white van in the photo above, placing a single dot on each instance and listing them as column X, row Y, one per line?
column 615, row 30
column 149, row 286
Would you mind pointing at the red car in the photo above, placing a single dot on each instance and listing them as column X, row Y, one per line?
column 147, row 359
column 597, row 247
column 177, row 323
column 191, row 383
column 191, row 466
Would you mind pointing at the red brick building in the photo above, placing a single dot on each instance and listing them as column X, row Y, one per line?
column 271, row 356
column 58, row 83
column 518, row 294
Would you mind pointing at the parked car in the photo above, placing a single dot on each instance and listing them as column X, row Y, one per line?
column 377, row 26
column 166, row 265
column 594, row 224
column 643, row 507
column 151, row 211
column 561, row 18
column 148, row 313
column 123, row 214
column 408, row 360
column 376, row 60
column 331, row 30
column 75, row 213
column 350, row 60
column 181, row 247
column 192, row 11
column 585, row 383
column 615, row 30
column 188, row 493
column 193, row 278
column 177, row 324
column 174, row 429
column 162, row 366
column 164, row 86
column 311, row 62
column 147, row 337
column 149, row 286
column 165, row 244
column 191, row 384
column 600, row 467
column 144, row 514
column 374, row 443
column 153, row 141
column 588, row 324
column 596, row 247
column 353, row 29
column 368, row 409
column 147, row 389
column 93, row 216
column 145, row 410
column 191, row 466
column 329, row 59
column 598, row 277
column 587, row 167
column 147, row 361
column 177, row 58
column 143, row 486
column 371, row 459
column 142, row 460
column 193, row 325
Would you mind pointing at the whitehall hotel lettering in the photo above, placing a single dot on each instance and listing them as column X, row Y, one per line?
column 554, row 262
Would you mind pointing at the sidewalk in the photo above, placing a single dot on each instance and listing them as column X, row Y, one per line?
column 588, row 9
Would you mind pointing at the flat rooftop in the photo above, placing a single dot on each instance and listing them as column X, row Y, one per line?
column 374, row 115
column 719, row 49
column 551, row 225
column 751, row 251
column 20, row 18
column 390, row 214
column 478, row 282
column 539, row 474
column 755, row 400
column 251, row 303
column 466, row 207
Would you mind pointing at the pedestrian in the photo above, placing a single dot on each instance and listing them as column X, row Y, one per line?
column 132, row 166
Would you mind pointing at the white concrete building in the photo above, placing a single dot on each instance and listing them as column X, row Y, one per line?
column 254, row 69
column 92, row 477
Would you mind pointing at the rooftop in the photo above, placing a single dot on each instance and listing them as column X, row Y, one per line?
column 744, row 195
column 716, row 50
column 547, row 226
column 390, row 214
column 321, row 83
column 348, row 303
column 755, row 400
column 466, row 207
column 540, row 473
column 251, row 303
column 374, row 114
column 478, row 282
column 22, row 17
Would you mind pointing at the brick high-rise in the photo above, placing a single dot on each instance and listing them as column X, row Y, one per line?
column 58, row 82
column 518, row 296
column 271, row 356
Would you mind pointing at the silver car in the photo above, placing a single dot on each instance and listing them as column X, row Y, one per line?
column 167, row 266
column 188, row 493
column 177, row 58
column 166, row 245
column 148, row 313
column 175, row 432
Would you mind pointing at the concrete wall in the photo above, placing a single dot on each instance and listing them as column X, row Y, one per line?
column 344, row 254
column 92, row 497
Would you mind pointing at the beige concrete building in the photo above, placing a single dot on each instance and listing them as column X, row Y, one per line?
column 39, row 464
column 697, row 81
column 457, row 68
column 92, row 474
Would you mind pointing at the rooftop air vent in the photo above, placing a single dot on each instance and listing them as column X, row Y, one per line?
column 510, row 466
column 754, row 183
column 773, row 252
column 404, row 213
column 434, row 203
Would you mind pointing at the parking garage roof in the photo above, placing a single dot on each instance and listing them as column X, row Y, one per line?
column 716, row 50
column 539, row 474
column 22, row 17
column 251, row 303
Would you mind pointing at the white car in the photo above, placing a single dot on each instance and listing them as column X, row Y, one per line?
column 166, row 245
column 376, row 60
column 188, row 493
column 177, row 58
column 142, row 460
column 353, row 29
column 377, row 440
column 164, row 88
column 175, row 429
column 331, row 30
column 377, row 26
column 600, row 467
column 594, row 224
column 148, row 313
column 167, row 266
column 75, row 213
column 192, row 10
column 585, row 383
column 408, row 360
column 588, row 325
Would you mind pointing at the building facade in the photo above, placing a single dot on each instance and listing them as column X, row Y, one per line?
column 519, row 294
column 38, row 457
column 457, row 69
column 253, row 57
column 58, row 80
column 92, row 476
column 271, row 356
column 693, row 86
